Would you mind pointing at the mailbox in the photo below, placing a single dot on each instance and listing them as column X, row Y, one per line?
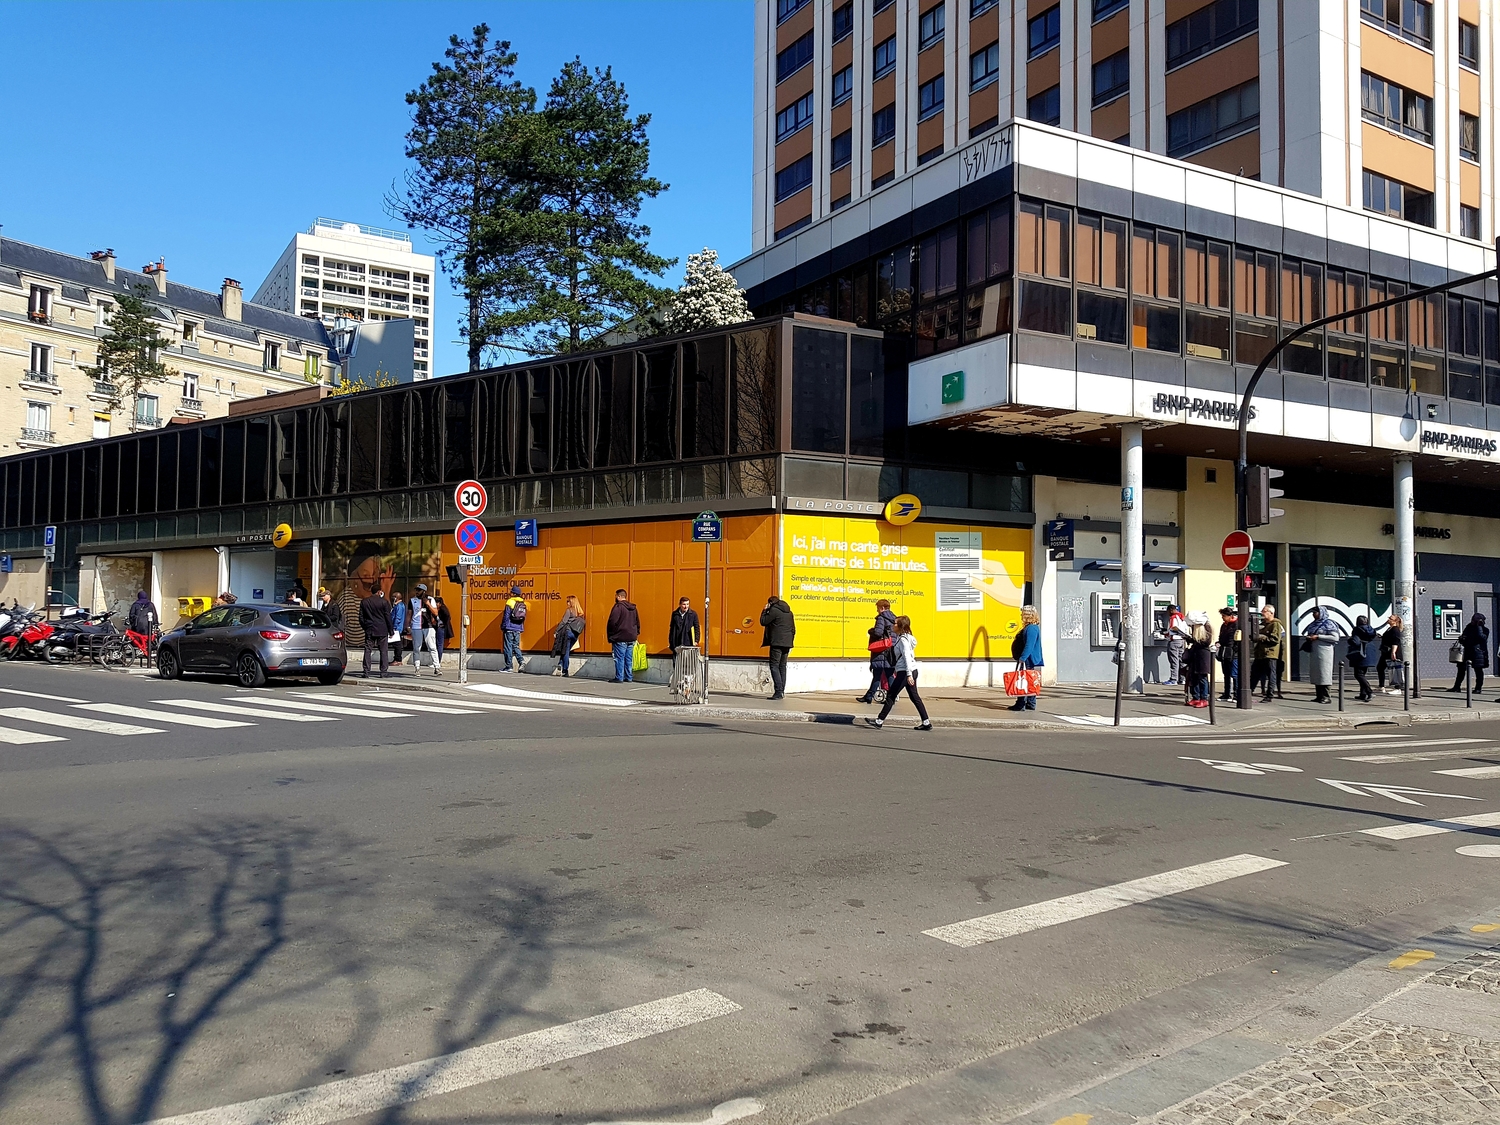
column 192, row 607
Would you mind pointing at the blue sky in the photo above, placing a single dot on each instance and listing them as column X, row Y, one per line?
column 207, row 133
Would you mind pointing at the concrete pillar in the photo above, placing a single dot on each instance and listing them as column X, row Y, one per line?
column 223, row 580
column 1132, row 550
column 158, row 560
column 317, row 572
column 1404, row 602
column 1044, row 573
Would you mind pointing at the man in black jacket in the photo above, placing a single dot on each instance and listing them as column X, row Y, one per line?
column 781, row 632
column 622, row 631
column 683, row 630
column 375, row 620
column 1475, row 640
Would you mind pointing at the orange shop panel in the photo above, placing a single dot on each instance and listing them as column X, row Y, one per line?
column 655, row 562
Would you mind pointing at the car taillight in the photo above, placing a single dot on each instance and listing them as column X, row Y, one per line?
column 275, row 635
column 338, row 634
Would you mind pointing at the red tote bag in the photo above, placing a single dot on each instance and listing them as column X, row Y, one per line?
column 1023, row 681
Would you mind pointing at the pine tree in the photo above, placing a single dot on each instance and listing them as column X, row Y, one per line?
column 709, row 297
column 126, row 357
column 590, row 262
column 470, row 189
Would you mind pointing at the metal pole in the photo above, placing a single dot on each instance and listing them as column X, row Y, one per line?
column 463, row 626
column 1119, row 677
column 707, row 552
column 1132, row 548
column 1341, row 681
column 1468, row 685
column 1212, row 691
column 1405, row 686
column 1404, row 502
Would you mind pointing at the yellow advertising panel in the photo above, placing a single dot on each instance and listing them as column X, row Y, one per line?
column 962, row 586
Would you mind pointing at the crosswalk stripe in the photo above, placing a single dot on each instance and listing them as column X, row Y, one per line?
column 384, row 697
column 75, row 722
column 231, row 709
column 17, row 737
column 324, row 708
column 1371, row 745
column 127, row 712
column 422, row 708
column 1473, row 771
column 1435, row 827
column 1419, row 755
column 1300, row 739
column 40, row 695
column 1039, row 915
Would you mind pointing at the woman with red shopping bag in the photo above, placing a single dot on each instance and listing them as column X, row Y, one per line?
column 906, row 676
column 1024, row 683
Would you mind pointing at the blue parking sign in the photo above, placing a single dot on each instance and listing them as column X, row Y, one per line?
column 49, row 535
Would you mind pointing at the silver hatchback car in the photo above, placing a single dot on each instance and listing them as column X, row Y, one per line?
column 253, row 641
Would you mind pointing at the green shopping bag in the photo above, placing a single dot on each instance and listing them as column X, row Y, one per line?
column 638, row 660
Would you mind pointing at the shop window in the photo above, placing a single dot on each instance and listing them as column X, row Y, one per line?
column 1205, row 291
column 1256, row 307
column 819, row 390
column 1155, row 269
column 1387, row 336
column 1100, row 255
column 1044, row 244
column 1302, row 303
column 1344, row 290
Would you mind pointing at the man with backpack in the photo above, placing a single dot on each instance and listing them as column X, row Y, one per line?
column 512, row 624
column 142, row 617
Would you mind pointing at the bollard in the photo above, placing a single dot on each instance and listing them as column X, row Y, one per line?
column 1212, row 691
column 1341, row 685
column 1405, row 686
column 1468, row 685
column 1119, row 678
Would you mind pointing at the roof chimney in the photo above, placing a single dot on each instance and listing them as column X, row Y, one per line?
column 231, row 297
column 158, row 274
column 106, row 258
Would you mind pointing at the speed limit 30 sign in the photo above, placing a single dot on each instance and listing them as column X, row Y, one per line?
column 470, row 498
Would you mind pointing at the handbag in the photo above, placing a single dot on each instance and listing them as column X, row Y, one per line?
column 638, row 659
column 884, row 644
column 1023, row 681
column 1456, row 653
column 1306, row 645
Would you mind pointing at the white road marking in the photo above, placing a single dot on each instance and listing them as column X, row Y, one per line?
column 385, row 698
column 16, row 737
column 1480, row 851
column 1144, row 721
column 231, row 709
column 401, row 1085
column 1267, row 739
column 722, row 1114
column 1376, row 745
column 322, row 708
column 1069, row 908
column 125, row 712
column 40, row 695
column 1419, row 756
column 422, row 708
column 1435, row 827
column 1401, row 793
column 554, row 697
column 1473, row 771
column 1255, row 769
column 75, row 722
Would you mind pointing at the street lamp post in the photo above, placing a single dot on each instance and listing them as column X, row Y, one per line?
column 1241, row 465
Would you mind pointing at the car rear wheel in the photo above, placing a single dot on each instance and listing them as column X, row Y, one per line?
column 250, row 671
column 166, row 665
column 328, row 679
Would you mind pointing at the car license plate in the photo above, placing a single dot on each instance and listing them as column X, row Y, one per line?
column 317, row 662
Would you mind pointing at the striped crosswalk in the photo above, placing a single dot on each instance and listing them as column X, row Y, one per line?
column 62, row 717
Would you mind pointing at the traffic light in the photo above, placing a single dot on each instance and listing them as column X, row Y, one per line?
column 1259, row 494
column 455, row 575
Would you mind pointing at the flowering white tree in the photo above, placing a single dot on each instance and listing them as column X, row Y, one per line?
column 709, row 297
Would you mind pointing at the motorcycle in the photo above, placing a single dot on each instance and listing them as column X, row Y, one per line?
column 22, row 631
column 79, row 635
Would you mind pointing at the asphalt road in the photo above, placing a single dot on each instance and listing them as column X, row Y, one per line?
column 195, row 918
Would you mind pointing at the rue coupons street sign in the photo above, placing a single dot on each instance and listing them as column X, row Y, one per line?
column 471, row 537
column 470, row 498
column 1237, row 550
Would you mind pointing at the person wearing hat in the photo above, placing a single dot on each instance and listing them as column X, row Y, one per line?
column 512, row 623
column 331, row 608
column 1229, row 650
column 423, row 629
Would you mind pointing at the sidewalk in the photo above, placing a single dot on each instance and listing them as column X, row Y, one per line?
column 1075, row 706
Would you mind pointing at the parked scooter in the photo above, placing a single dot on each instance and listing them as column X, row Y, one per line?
column 79, row 635
column 25, row 635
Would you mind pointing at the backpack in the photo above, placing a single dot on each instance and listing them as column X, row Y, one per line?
column 518, row 612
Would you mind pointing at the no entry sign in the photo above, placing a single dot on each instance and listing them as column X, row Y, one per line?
column 471, row 536
column 1237, row 550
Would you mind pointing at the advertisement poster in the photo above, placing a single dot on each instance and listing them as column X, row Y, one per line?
column 961, row 586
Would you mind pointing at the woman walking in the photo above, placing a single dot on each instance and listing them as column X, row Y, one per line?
column 1361, row 655
column 1390, row 657
column 882, row 658
column 566, row 635
column 1322, row 635
column 1026, row 651
column 906, row 676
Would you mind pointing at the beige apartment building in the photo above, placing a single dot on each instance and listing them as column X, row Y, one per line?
column 53, row 309
column 1379, row 104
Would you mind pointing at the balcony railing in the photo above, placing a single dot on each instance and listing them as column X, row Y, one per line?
column 386, row 303
column 41, row 316
column 387, row 282
column 148, row 423
column 343, row 275
column 104, row 387
column 48, row 377
column 195, row 404
column 28, row 434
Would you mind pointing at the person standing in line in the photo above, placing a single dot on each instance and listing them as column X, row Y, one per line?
column 444, row 626
column 1200, row 661
column 682, row 630
column 622, row 631
column 331, row 609
column 1229, row 651
column 1270, row 650
column 883, row 659
column 375, row 620
column 1026, row 651
column 1178, row 636
column 398, row 624
column 781, row 633
column 512, row 624
column 905, row 649
column 1390, row 656
column 1475, row 640
column 566, row 635
column 1361, row 637
column 1322, row 635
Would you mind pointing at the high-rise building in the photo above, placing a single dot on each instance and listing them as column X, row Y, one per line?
column 349, row 271
column 1381, row 104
